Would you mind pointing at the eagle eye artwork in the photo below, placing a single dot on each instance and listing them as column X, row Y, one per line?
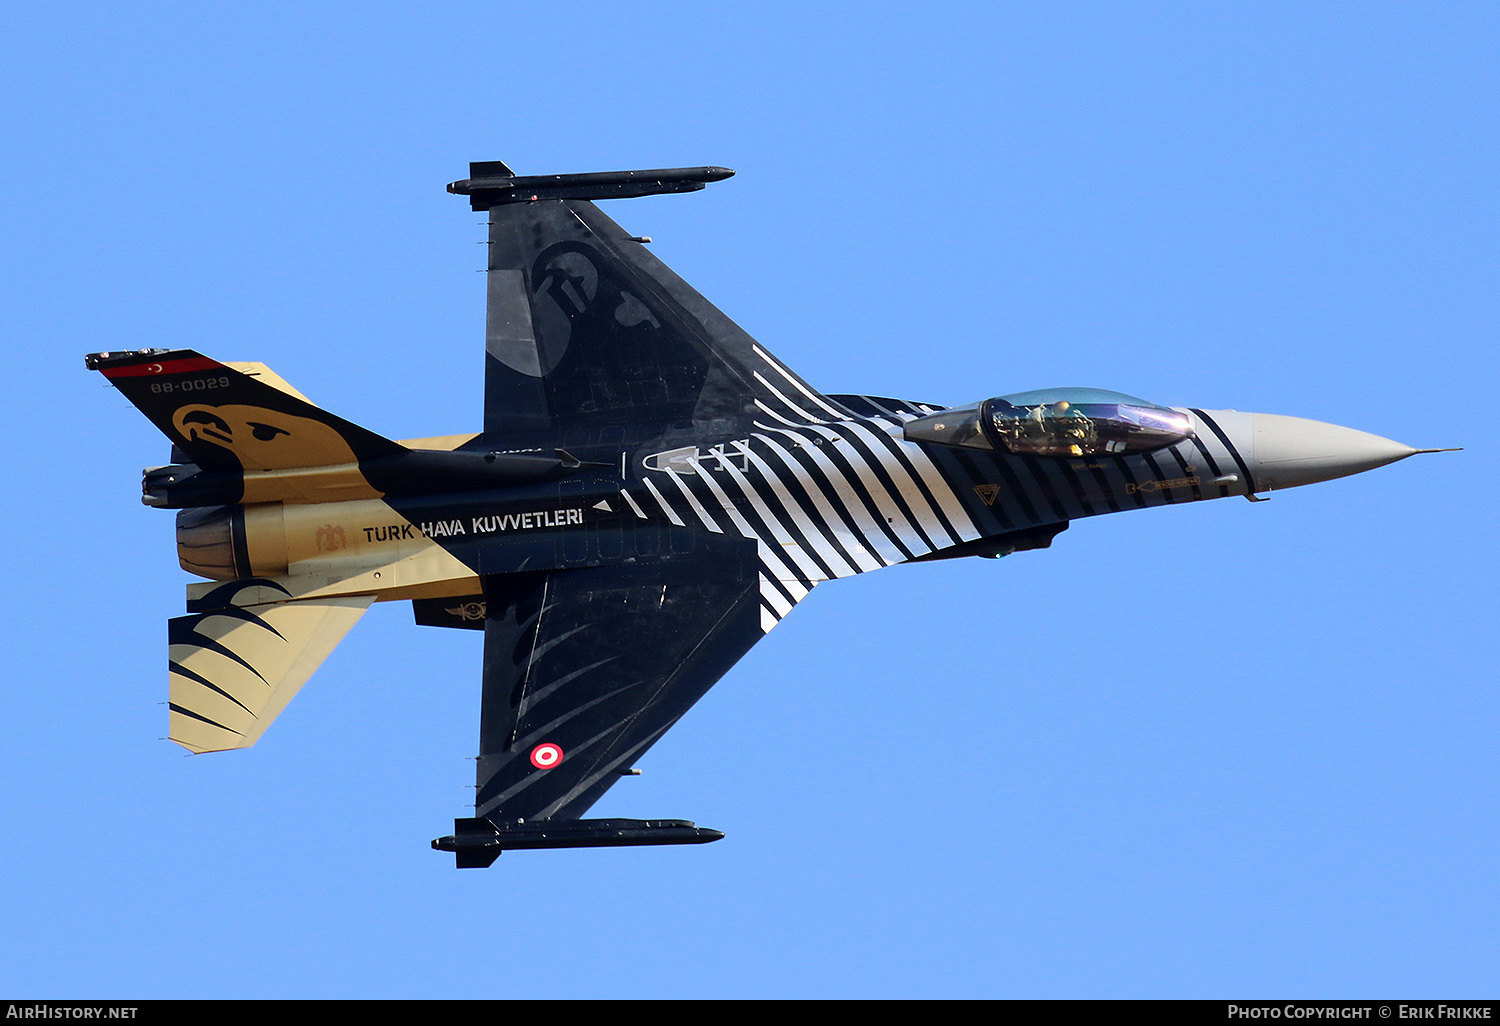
column 652, row 491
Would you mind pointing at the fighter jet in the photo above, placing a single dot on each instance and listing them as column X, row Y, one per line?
column 651, row 493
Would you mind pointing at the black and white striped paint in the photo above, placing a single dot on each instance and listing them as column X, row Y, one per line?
column 828, row 487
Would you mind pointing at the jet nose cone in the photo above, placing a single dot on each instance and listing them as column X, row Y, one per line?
column 1291, row 451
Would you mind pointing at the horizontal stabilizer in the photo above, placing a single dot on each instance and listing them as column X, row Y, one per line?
column 478, row 842
column 260, row 372
column 234, row 668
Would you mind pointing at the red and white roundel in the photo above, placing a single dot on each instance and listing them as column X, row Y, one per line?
column 546, row 756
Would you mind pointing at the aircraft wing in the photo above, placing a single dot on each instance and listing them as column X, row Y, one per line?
column 585, row 669
column 590, row 338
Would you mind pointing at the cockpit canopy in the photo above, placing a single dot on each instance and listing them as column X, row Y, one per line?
column 1056, row 422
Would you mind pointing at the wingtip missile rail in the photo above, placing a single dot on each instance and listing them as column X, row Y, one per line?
column 478, row 841
column 491, row 190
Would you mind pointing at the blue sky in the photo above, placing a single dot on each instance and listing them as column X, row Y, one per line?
column 1219, row 750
